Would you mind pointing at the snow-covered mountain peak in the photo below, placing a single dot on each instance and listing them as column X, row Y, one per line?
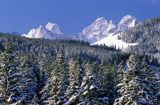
column 41, row 28
column 50, row 31
column 127, row 18
column 99, row 29
column 100, row 20
column 54, row 28
column 127, row 22
column 40, row 32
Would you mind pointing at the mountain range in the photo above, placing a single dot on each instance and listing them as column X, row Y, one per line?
column 100, row 32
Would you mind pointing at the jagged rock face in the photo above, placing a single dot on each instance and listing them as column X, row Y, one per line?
column 127, row 22
column 100, row 26
column 99, row 29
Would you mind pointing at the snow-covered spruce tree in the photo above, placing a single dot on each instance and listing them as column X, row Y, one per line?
column 152, row 81
column 40, row 82
column 31, row 83
column 14, row 82
column 120, row 72
column 89, row 90
column 53, row 92
column 72, row 92
column 119, row 76
column 158, row 92
column 45, row 66
column 28, row 84
column 5, row 67
column 3, row 79
column 9, row 77
column 135, row 89
column 107, row 81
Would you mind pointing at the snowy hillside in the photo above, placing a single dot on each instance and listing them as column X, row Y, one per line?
column 112, row 40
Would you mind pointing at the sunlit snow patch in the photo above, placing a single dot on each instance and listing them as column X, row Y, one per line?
column 112, row 40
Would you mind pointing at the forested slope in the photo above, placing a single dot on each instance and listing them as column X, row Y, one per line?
column 147, row 35
column 47, row 72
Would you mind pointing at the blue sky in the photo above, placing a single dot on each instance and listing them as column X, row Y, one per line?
column 71, row 15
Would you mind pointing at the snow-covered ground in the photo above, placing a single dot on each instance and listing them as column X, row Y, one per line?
column 112, row 40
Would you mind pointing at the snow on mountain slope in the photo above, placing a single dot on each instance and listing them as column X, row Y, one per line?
column 111, row 37
column 40, row 32
column 102, row 28
column 50, row 31
column 127, row 22
column 99, row 29
column 112, row 40
column 54, row 28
